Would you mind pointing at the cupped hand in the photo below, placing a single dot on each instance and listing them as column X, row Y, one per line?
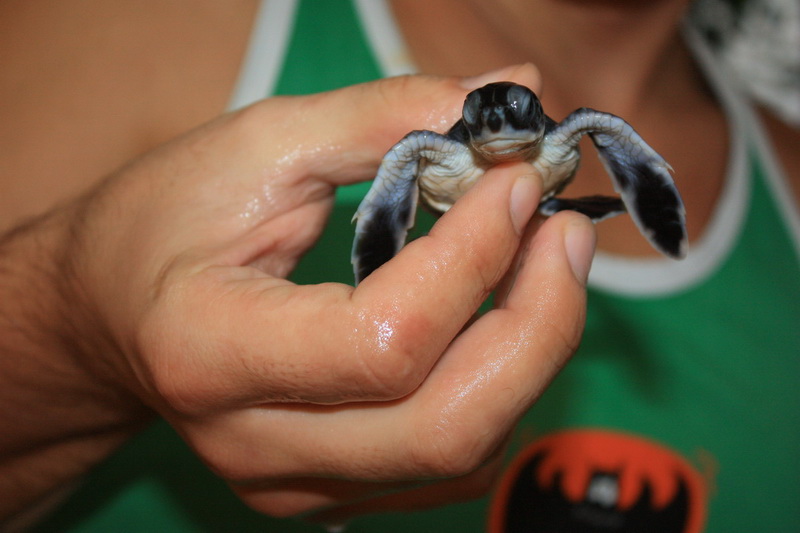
column 325, row 396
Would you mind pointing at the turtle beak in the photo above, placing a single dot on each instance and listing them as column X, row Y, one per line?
column 506, row 149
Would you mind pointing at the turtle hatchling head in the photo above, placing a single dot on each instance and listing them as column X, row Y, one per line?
column 505, row 121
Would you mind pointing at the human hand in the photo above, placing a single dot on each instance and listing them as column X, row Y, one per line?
column 309, row 397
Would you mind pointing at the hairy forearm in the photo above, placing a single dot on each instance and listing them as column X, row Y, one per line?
column 59, row 414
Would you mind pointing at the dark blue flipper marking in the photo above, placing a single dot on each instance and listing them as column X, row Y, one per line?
column 377, row 242
column 649, row 194
column 639, row 173
column 595, row 207
column 388, row 210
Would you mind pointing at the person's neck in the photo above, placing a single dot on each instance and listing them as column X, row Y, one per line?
column 614, row 56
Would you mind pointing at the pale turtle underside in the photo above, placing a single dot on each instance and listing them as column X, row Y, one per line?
column 505, row 122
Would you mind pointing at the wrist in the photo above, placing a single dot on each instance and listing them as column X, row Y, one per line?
column 61, row 409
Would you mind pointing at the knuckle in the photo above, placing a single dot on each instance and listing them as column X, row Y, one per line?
column 155, row 348
column 486, row 268
column 391, row 377
column 429, row 102
column 169, row 387
column 179, row 393
column 253, row 117
column 482, row 253
column 565, row 335
column 393, row 354
column 166, row 363
column 389, row 90
column 443, row 452
column 247, row 126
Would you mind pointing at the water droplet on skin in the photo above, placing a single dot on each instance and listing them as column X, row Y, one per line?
column 385, row 332
column 252, row 210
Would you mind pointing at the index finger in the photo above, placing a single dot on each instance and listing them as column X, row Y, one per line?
column 367, row 122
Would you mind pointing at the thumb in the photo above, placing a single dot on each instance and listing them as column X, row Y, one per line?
column 445, row 275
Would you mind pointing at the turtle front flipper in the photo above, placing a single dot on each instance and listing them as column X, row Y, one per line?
column 596, row 208
column 640, row 175
column 388, row 210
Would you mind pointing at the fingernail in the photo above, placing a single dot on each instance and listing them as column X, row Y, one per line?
column 524, row 201
column 474, row 82
column 580, row 240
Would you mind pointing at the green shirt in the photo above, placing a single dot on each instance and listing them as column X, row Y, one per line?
column 680, row 410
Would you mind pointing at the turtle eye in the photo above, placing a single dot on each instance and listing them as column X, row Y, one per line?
column 525, row 109
column 471, row 111
column 519, row 100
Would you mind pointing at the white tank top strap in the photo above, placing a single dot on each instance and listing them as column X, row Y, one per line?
column 384, row 37
column 659, row 276
column 263, row 60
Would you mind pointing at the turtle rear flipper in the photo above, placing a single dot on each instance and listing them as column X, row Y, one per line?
column 596, row 208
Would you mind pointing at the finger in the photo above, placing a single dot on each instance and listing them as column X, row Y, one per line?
column 324, row 140
column 331, row 501
column 425, row 295
column 279, row 154
column 530, row 336
column 495, row 370
column 462, row 412
column 301, row 496
column 331, row 139
column 364, row 121
column 431, row 495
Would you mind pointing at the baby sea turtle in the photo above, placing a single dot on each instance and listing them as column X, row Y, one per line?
column 505, row 122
